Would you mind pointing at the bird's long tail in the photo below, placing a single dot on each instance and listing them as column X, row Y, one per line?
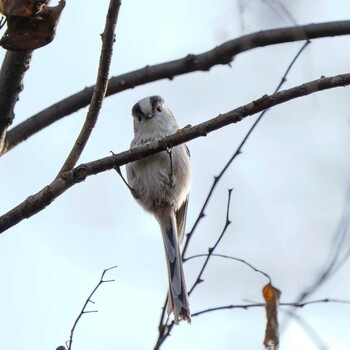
column 177, row 297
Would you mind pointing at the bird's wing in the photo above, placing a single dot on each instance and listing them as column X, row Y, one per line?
column 181, row 215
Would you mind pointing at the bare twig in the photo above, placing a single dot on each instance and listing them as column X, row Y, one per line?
column 88, row 300
column 237, row 152
column 231, row 258
column 13, row 68
column 108, row 38
column 318, row 301
column 163, row 328
column 253, row 305
column 222, row 54
column 48, row 194
column 249, row 306
column 212, row 249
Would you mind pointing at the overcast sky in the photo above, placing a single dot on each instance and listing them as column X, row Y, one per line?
column 290, row 184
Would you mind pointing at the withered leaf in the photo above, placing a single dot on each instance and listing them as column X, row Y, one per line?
column 272, row 296
column 29, row 33
column 25, row 8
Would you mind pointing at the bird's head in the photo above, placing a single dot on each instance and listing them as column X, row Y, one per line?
column 153, row 117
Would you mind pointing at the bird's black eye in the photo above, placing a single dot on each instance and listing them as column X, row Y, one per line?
column 156, row 102
column 157, row 106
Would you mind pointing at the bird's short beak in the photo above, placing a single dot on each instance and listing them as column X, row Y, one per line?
column 149, row 115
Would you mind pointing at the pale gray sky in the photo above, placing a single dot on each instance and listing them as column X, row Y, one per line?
column 290, row 184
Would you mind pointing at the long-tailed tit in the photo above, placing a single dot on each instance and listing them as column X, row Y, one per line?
column 161, row 184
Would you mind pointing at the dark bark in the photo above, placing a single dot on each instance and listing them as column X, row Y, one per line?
column 13, row 68
column 48, row 194
column 222, row 54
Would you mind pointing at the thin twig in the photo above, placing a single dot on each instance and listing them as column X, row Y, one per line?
column 237, row 152
column 88, row 300
column 318, row 301
column 108, row 39
column 212, row 249
column 222, row 54
column 39, row 201
column 249, row 306
column 231, row 258
column 165, row 328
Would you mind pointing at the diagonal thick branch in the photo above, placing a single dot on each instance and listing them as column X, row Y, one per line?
column 48, row 194
column 220, row 55
column 108, row 39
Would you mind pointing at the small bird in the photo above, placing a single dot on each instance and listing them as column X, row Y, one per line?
column 161, row 183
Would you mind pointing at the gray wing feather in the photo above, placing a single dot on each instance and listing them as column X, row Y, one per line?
column 181, row 215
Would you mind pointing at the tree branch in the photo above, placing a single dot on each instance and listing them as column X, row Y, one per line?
column 220, row 55
column 108, row 39
column 231, row 258
column 255, row 305
column 248, row 306
column 13, row 68
column 88, row 300
column 236, row 153
column 212, row 249
column 43, row 198
column 163, row 327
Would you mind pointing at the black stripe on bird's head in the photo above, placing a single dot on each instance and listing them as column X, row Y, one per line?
column 147, row 107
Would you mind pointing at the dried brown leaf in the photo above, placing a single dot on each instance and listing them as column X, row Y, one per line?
column 25, row 8
column 29, row 33
column 272, row 296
